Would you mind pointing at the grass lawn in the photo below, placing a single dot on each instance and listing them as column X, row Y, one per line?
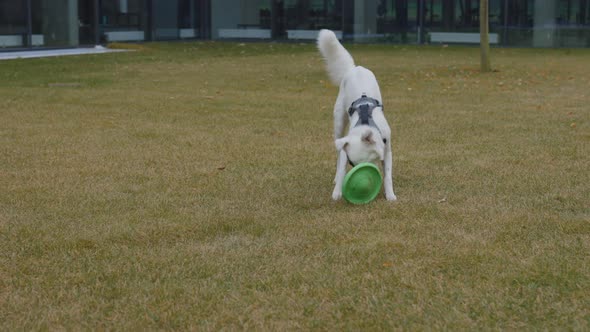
column 188, row 186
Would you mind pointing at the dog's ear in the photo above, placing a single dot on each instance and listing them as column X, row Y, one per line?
column 367, row 137
column 341, row 143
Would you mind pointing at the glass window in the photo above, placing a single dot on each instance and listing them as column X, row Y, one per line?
column 362, row 20
column 189, row 18
column 13, row 23
column 467, row 13
column 55, row 23
column 432, row 14
column 174, row 19
column 572, row 12
column 397, row 20
column 123, row 20
column 572, row 23
column 519, row 22
column 456, row 15
column 303, row 19
column 243, row 19
column 165, row 18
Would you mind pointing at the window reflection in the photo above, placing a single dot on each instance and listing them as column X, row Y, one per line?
column 13, row 23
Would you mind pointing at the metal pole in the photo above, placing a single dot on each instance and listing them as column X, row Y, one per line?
column 152, row 20
column 29, row 24
column 205, row 26
column 274, row 31
column 420, row 20
column 505, row 34
column 96, row 23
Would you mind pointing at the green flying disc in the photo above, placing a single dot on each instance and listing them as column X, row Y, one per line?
column 362, row 183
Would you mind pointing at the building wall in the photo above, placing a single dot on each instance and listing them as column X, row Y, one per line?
column 166, row 21
column 523, row 23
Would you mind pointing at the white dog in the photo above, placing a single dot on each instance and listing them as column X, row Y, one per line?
column 358, row 103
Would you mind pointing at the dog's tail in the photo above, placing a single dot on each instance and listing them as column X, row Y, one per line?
column 338, row 60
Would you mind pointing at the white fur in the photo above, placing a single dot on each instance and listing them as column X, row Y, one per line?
column 362, row 143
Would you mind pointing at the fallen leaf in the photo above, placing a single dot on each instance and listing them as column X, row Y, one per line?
column 279, row 134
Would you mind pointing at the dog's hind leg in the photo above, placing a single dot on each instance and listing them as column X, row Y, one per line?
column 388, row 170
column 340, row 117
column 340, row 122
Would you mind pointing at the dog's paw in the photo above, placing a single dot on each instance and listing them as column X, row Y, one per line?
column 390, row 197
column 337, row 194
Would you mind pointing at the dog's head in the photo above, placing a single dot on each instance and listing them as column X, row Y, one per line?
column 363, row 144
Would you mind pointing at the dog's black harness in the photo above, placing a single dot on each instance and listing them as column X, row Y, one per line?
column 364, row 106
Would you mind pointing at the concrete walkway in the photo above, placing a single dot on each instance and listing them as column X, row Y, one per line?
column 47, row 53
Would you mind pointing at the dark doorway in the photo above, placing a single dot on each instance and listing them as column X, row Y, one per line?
column 277, row 20
column 87, row 22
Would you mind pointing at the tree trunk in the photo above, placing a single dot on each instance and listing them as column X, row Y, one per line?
column 484, row 36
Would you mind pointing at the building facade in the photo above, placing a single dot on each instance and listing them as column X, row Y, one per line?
column 26, row 24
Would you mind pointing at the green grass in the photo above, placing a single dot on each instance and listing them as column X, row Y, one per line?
column 187, row 186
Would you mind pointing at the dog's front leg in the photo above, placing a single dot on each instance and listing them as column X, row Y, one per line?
column 388, row 170
column 338, row 158
column 340, row 173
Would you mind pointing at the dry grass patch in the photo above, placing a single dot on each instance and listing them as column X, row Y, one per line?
column 187, row 186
